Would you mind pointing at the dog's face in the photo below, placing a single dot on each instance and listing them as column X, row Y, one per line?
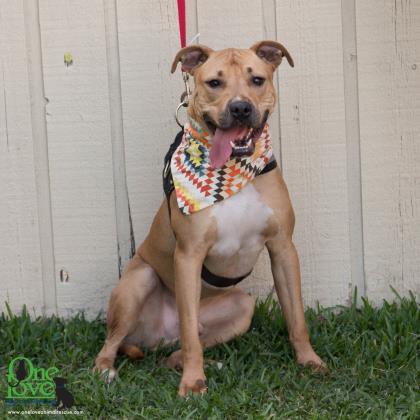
column 234, row 93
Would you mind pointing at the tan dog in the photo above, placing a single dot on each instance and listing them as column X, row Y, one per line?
column 233, row 87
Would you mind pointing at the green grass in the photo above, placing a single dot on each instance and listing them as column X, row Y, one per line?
column 371, row 353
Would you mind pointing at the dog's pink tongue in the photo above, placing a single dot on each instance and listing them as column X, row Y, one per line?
column 221, row 148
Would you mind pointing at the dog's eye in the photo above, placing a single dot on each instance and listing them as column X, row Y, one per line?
column 258, row 81
column 214, row 83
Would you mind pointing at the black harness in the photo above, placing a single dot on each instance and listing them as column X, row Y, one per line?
column 168, row 187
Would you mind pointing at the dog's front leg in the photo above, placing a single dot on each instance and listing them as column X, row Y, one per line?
column 286, row 273
column 188, row 262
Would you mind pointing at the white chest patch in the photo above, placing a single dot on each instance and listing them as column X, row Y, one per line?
column 241, row 219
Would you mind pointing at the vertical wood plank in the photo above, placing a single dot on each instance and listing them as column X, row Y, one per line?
column 125, row 234
column 240, row 24
column 40, row 145
column 314, row 145
column 81, row 164
column 388, row 44
column 351, row 92
column 20, row 259
column 191, row 14
column 269, row 26
column 233, row 24
column 148, row 41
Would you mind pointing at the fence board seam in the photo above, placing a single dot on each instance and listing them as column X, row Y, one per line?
column 125, row 234
column 269, row 16
column 354, row 175
column 41, row 158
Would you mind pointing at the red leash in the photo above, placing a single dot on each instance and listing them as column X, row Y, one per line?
column 182, row 22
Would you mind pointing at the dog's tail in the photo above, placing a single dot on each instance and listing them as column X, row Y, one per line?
column 132, row 351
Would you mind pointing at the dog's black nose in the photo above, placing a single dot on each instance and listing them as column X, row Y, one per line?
column 241, row 110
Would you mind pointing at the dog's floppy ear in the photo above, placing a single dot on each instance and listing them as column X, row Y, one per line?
column 191, row 57
column 272, row 52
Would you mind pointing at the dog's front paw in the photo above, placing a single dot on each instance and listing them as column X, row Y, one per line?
column 109, row 374
column 105, row 369
column 192, row 383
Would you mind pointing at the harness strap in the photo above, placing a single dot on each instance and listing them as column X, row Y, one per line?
column 220, row 281
column 168, row 182
column 269, row 167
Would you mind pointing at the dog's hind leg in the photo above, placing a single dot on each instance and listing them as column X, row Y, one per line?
column 127, row 299
column 131, row 350
column 221, row 318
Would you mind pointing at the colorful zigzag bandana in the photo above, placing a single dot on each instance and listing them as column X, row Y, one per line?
column 197, row 184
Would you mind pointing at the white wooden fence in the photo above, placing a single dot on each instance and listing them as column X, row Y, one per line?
column 82, row 142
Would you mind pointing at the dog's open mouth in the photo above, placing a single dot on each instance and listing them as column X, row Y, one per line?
column 237, row 141
column 244, row 146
